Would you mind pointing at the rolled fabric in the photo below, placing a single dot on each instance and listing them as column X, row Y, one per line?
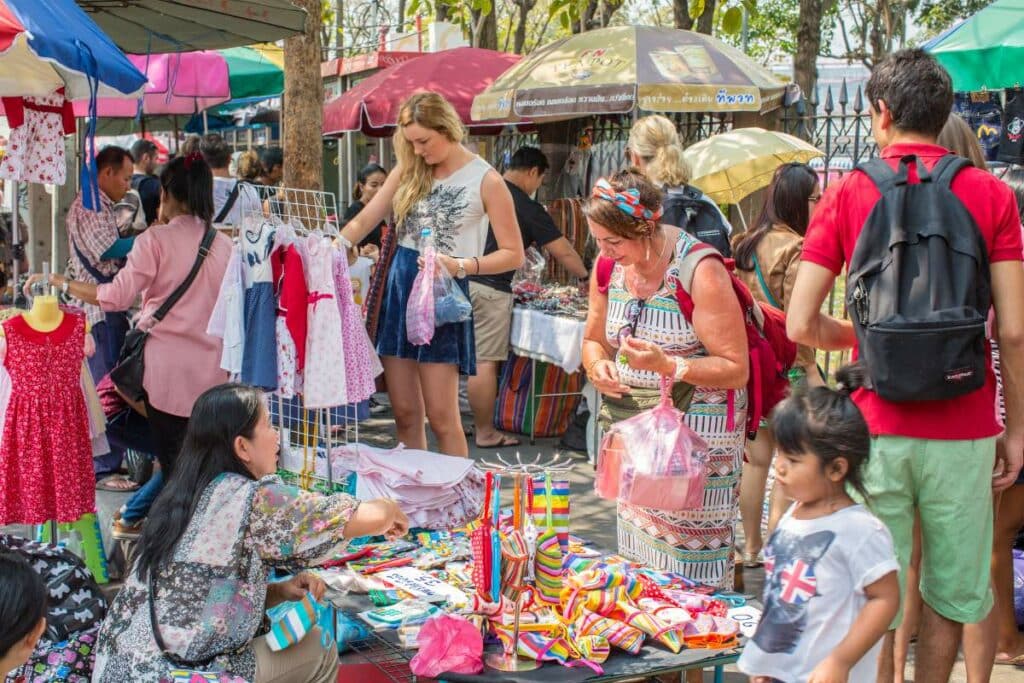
column 618, row 634
column 548, row 564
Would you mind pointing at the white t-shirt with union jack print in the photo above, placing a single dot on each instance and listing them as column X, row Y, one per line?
column 815, row 574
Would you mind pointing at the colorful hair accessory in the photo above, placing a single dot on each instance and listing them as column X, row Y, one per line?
column 190, row 158
column 627, row 202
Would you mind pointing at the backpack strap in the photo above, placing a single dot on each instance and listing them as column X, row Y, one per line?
column 880, row 174
column 687, row 267
column 229, row 203
column 946, row 169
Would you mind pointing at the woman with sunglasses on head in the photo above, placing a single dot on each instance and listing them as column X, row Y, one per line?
column 767, row 258
column 636, row 333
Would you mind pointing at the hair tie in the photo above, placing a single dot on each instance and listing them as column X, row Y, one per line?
column 191, row 157
column 628, row 202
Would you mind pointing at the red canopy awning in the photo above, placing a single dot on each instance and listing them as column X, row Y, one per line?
column 459, row 74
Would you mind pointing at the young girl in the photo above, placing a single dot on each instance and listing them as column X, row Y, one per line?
column 831, row 587
column 22, row 612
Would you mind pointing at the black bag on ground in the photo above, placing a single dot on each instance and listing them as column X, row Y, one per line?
column 919, row 287
column 684, row 208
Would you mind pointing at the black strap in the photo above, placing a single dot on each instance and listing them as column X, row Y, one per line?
column 880, row 174
column 204, row 249
column 947, row 167
column 100, row 277
column 228, row 204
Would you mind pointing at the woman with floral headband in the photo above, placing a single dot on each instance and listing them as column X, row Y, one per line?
column 636, row 333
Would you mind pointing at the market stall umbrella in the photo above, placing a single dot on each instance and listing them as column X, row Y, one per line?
column 458, row 75
column 46, row 46
column 614, row 70
column 179, row 83
column 986, row 50
column 254, row 73
column 156, row 26
column 730, row 166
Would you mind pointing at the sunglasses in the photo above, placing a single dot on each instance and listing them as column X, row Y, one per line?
column 634, row 309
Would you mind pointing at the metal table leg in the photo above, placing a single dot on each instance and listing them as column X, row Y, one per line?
column 533, row 401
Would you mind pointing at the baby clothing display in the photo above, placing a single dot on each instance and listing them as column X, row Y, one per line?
column 35, row 147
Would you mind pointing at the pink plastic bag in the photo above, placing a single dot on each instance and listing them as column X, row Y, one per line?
column 419, row 313
column 653, row 459
column 448, row 644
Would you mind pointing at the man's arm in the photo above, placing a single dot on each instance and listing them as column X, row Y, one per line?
column 564, row 253
column 805, row 323
column 1007, row 285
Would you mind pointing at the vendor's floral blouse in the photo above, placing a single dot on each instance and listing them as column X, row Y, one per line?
column 210, row 598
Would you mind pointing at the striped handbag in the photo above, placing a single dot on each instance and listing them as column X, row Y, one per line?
column 550, row 415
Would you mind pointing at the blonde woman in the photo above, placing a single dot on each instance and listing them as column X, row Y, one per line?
column 441, row 185
column 654, row 148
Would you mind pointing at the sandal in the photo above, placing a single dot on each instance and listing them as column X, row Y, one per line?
column 504, row 441
column 1011, row 661
column 752, row 560
column 118, row 483
column 121, row 530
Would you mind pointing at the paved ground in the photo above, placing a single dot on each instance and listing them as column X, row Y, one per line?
column 591, row 517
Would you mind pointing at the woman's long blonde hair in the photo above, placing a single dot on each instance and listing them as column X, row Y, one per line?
column 430, row 110
column 655, row 139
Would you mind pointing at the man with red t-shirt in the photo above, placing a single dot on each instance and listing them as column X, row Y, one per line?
column 937, row 457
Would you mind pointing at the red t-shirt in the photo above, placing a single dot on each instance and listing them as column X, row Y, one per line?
column 830, row 241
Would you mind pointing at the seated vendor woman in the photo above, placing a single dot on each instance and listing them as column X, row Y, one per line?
column 198, row 591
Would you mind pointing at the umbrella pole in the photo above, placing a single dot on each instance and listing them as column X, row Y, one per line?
column 743, row 219
column 206, row 124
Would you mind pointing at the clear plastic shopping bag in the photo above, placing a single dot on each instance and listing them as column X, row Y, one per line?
column 419, row 313
column 451, row 305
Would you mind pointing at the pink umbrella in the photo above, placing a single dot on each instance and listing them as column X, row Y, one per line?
column 459, row 74
column 179, row 83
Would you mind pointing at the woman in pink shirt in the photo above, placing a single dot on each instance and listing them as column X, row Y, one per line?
column 181, row 360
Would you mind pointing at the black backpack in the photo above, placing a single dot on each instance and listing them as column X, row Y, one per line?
column 919, row 287
column 684, row 208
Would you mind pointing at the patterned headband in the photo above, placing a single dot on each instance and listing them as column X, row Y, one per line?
column 627, row 202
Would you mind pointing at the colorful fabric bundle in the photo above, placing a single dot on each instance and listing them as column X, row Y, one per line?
column 290, row 622
column 594, row 649
column 548, row 565
column 712, row 632
column 559, row 508
column 569, row 218
column 480, row 543
column 620, row 635
column 514, row 557
column 537, row 646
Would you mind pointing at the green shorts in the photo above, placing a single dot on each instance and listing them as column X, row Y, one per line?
column 950, row 485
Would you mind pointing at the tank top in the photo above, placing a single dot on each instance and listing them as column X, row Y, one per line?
column 454, row 211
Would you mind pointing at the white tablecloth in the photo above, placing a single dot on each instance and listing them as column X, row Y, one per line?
column 549, row 338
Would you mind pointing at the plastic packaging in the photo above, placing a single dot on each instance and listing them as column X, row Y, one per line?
column 653, row 459
column 532, row 270
column 419, row 314
column 448, row 644
column 451, row 305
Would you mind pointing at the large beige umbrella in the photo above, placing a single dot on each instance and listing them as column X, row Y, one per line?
column 621, row 68
column 730, row 166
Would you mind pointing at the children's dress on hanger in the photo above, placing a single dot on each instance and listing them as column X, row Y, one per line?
column 46, row 454
column 361, row 362
column 35, row 150
column 323, row 383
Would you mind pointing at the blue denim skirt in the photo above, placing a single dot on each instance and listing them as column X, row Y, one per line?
column 453, row 344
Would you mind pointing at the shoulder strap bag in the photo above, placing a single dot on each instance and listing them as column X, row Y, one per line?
column 128, row 373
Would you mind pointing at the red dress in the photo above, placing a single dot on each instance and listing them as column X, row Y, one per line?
column 46, row 456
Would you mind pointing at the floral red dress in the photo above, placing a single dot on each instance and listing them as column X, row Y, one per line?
column 45, row 457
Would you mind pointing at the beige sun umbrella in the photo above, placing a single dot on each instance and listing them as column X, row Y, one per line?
column 730, row 166
column 621, row 68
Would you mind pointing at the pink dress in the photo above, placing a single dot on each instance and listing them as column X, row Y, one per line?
column 46, row 453
column 361, row 363
column 323, row 383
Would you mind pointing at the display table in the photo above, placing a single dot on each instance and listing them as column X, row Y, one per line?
column 384, row 651
column 542, row 336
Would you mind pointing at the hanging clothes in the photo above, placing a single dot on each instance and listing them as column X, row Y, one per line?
column 292, row 295
column 227, row 321
column 259, row 355
column 35, row 147
column 361, row 362
column 46, row 454
column 324, row 381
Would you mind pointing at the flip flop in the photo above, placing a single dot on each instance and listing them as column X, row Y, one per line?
column 1013, row 661
column 118, row 483
column 504, row 441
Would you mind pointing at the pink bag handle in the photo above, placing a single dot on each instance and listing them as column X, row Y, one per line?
column 666, row 391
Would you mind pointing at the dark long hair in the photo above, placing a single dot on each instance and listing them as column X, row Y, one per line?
column 785, row 204
column 220, row 415
column 827, row 423
column 22, row 600
column 190, row 180
column 364, row 175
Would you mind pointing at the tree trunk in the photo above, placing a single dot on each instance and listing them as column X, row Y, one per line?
column 525, row 7
column 681, row 14
column 440, row 11
column 596, row 14
column 706, row 21
column 485, row 29
column 808, row 45
column 303, row 104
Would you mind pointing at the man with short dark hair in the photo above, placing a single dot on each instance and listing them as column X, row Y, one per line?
column 936, row 458
column 233, row 199
column 144, row 180
column 492, row 294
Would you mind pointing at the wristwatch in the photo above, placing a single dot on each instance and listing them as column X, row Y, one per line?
column 460, row 273
column 682, row 368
